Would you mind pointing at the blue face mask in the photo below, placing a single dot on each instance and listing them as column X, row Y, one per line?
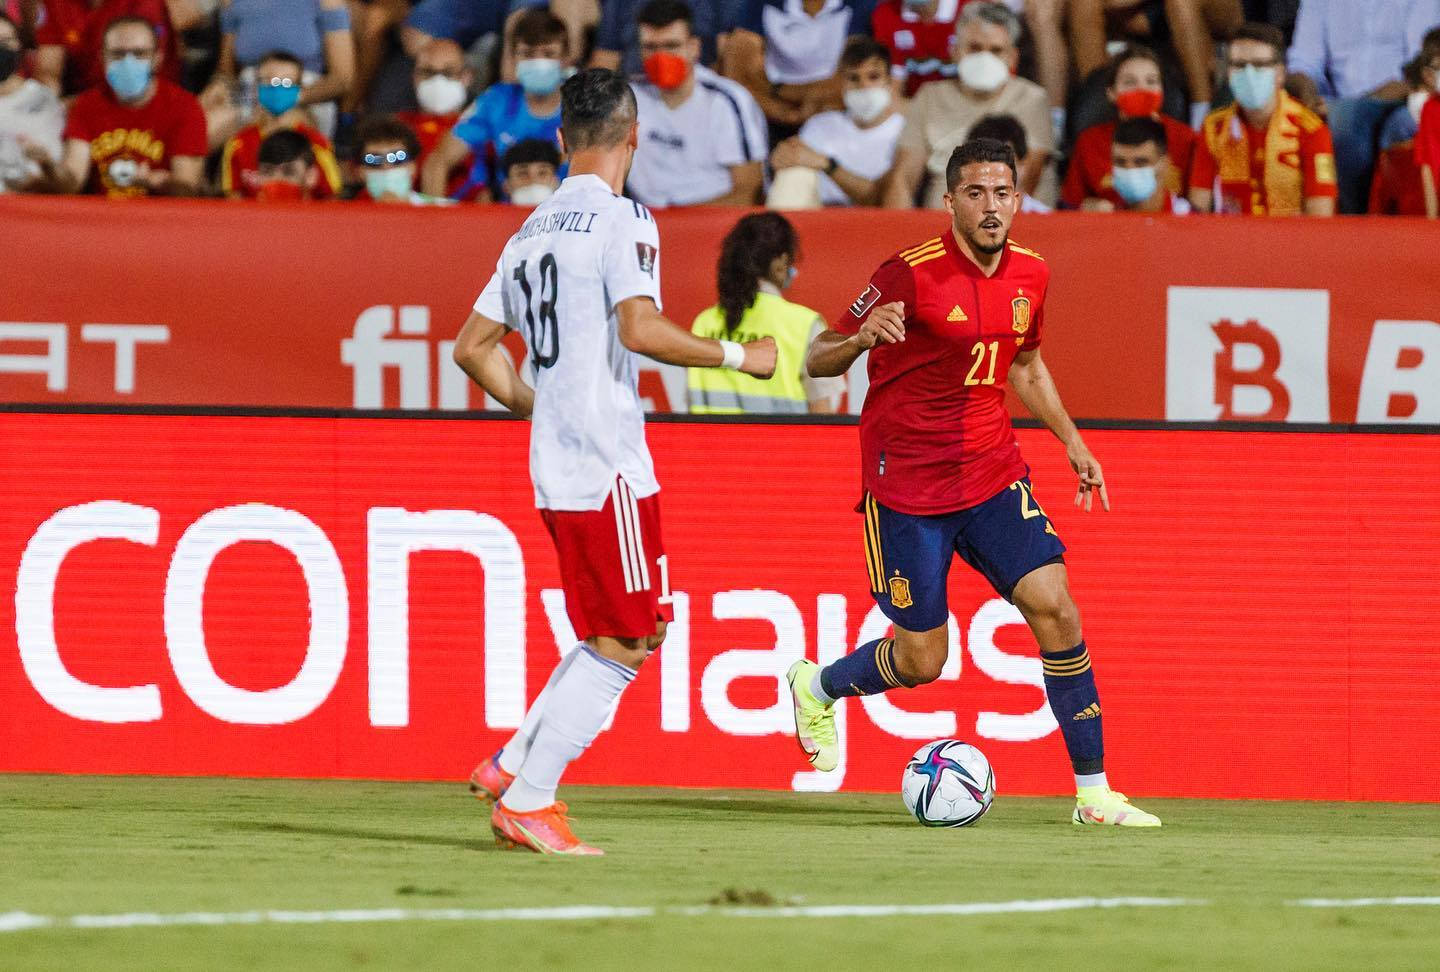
column 540, row 76
column 128, row 77
column 1135, row 185
column 1253, row 87
column 277, row 99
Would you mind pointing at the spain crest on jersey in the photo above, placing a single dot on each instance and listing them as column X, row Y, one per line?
column 1020, row 314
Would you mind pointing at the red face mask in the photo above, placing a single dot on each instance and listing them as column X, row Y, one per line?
column 1139, row 102
column 666, row 70
column 278, row 190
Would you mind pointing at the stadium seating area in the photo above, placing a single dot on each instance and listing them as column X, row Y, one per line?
column 1236, row 106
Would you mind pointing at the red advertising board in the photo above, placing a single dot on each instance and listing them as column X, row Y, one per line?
column 340, row 306
column 377, row 598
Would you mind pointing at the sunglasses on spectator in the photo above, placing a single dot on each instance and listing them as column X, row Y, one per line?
column 1242, row 65
column 116, row 53
column 375, row 160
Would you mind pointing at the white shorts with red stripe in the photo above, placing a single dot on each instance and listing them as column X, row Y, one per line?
column 612, row 565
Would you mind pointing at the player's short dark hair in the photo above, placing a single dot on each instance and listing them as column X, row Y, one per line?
column 539, row 26
column 386, row 128
column 862, row 48
column 1132, row 52
column 529, row 150
column 977, row 150
column 282, row 56
column 597, row 109
column 745, row 256
column 1139, row 131
column 285, row 146
column 1003, row 128
column 1264, row 34
column 663, row 13
column 130, row 20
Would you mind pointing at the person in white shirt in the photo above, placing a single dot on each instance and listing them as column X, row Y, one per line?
column 31, row 116
column 580, row 280
column 850, row 151
column 702, row 137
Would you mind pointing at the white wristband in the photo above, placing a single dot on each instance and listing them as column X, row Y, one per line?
column 734, row 355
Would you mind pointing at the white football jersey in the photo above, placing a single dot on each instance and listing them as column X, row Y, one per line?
column 557, row 282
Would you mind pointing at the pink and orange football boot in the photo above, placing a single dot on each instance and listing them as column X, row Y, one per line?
column 544, row 831
column 489, row 782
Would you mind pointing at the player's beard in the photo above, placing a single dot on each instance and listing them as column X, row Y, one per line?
column 980, row 240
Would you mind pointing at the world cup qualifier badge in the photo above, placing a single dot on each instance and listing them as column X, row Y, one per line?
column 865, row 301
column 645, row 254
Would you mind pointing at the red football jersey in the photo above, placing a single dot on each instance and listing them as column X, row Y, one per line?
column 921, row 51
column 1427, row 140
column 124, row 138
column 935, row 436
column 240, row 164
column 1089, row 173
column 79, row 27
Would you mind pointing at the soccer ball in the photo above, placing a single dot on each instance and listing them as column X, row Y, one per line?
column 948, row 783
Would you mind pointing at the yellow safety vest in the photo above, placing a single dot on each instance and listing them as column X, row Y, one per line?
column 720, row 391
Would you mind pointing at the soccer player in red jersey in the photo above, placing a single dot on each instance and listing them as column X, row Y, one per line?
column 947, row 324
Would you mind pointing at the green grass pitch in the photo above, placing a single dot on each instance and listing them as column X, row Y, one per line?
column 718, row 881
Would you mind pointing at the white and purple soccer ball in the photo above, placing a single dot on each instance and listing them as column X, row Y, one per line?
column 948, row 783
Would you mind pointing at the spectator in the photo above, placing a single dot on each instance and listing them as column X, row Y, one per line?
column 1007, row 129
column 702, row 137
column 70, row 34
column 315, row 31
column 1139, row 158
column 507, row 113
column 1191, row 27
column 1353, row 60
column 920, row 35
column 373, row 25
column 1397, row 189
column 442, row 82
column 617, row 39
column 1267, row 154
column 286, row 169
column 941, row 114
column 278, row 81
column 470, row 21
column 1136, row 87
column 137, row 134
column 786, row 53
column 1427, row 138
column 531, row 172
column 757, row 263
column 386, row 149
column 848, row 152
column 31, row 118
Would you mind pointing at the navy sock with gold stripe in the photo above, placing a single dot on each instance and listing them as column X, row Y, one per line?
column 868, row 670
column 1070, row 687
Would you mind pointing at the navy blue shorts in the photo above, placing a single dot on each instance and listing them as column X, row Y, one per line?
column 1004, row 538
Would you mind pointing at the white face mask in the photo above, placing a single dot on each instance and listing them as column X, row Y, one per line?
column 866, row 104
column 983, row 71
column 1416, row 103
column 532, row 195
column 440, row 95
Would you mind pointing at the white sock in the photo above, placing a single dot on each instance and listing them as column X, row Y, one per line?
column 512, row 756
column 579, row 702
column 1091, row 779
column 1198, row 111
column 818, row 690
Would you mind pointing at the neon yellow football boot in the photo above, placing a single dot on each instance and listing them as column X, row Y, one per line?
column 814, row 720
column 1104, row 807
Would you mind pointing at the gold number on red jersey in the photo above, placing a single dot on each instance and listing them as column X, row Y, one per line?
column 1027, row 511
column 979, row 351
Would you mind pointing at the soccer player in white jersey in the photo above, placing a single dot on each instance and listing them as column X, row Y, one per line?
column 580, row 280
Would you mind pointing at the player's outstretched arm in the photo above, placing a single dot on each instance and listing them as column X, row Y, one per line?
column 478, row 353
column 644, row 330
column 1035, row 387
column 832, row 353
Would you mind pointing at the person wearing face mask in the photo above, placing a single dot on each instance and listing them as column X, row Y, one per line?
column 386, row 153
column 1135, row 86
column 920, row 35
column 31, row 117
column 442, row 82
column 1267, row 154
column 531, row 170
column 757, row 263
column 702, row 137
column 69, row 37
column 1140, row 169
column 278, row 108
column 941, row 114
column 135, row 135
column 507, row 113
column 846, row 153
column 286, row 169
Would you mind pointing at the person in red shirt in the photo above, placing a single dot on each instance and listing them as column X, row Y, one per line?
column 136, row 134
column 442, row 89
column 1141, row 169
column 1427, row 139
column 948, row 323
column 1267, row 154
column 278, row 79
column 286, row 169
column 70, row 33
column 920, row 37
column 1137, row 89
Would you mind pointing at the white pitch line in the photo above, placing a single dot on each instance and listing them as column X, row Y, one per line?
column 1402, row 900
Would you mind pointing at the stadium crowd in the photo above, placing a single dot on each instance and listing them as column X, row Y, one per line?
column 1260, row 107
